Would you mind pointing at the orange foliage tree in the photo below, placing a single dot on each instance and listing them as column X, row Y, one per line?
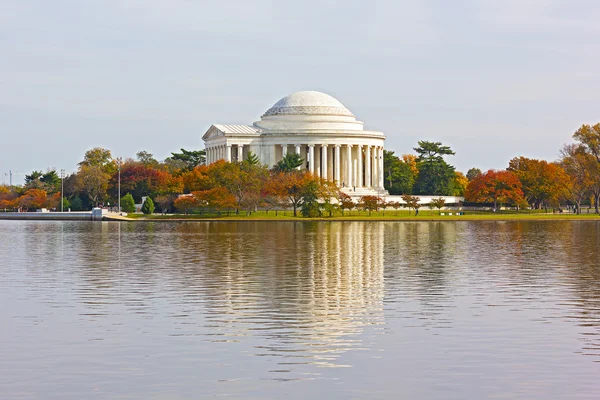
column 495, row 186
column 33, row 199
column 185, row 203
column 538, row 179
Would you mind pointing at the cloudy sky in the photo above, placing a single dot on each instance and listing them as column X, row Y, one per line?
column 492, row 79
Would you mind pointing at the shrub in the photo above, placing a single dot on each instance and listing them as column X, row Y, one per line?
column 127, row 203
column 148, row 206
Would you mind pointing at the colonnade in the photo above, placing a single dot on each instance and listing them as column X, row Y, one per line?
column 350, row 165
column 225, row 152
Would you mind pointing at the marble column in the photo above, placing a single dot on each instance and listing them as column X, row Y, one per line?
column 330, row 153
column 381, row 161
column 311, row 158
column 240, row 155
column 228, row 153
column 338, row 164
column 368, row 166
column 324, row 161
column 297, row 150
column 349, row 166
column 283, row 151
column 359, row 172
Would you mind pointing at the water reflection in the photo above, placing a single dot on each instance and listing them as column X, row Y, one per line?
column 459, row 302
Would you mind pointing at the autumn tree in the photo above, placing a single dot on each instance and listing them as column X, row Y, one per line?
column 345, row 202
column 395, row 205
column 578, row 181
column 459, row 184
column 411, row 202
column 165, row 202
column 589, row 137
column 495, row 186
column 217, row 198
column 369, row 203
column 93, row 181
column 538, row 180
column 99, row 157
column 328, row 193
column 32, row 199
column 438, row 203
column 243, row 181
column 185, row 203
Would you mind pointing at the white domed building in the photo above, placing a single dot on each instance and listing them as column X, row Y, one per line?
column 332, row 142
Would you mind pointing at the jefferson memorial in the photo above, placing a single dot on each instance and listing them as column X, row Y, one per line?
column 328, row 137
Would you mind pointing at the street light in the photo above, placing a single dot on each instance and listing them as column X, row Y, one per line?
column 62, row 190
column 119, row 162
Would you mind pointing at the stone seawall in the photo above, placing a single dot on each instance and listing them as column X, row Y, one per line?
column 94, row 215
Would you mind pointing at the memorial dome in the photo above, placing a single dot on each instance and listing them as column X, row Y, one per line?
column 308, row 102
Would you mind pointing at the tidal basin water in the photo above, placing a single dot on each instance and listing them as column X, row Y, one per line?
column 297, row 310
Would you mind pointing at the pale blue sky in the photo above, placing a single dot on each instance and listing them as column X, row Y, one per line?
column 492, row 79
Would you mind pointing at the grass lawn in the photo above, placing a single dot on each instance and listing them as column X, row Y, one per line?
column 388, row 215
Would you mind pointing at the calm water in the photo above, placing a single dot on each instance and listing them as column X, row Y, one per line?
column 426, row 310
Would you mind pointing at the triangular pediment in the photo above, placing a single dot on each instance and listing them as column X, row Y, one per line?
column 212, row 132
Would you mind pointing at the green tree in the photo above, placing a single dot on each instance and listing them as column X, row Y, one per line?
column 99, row 157
column 399, row 174
column 473, row 173
column 34, row 176
column 289, row 163
column 76, row 204
column 127, row 203
column 148, row 206
column 589, row 136
column 51, row 181
column 436, row 176
column 191, row 158
column 146, row 158
column 65, row 204
column 310, row 201
column 252, row 159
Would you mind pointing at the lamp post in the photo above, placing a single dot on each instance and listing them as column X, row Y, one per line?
column 62, row 190
column 119, row 162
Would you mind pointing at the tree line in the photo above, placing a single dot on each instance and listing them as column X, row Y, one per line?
column 573, row 179
column 182, row 183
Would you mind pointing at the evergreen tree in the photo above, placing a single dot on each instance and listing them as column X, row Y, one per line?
column 252, row 159
column 310, row 203
column 148, row 206
column 76, row 204
column 289, row 163
column 436, row 176
column 127, row 203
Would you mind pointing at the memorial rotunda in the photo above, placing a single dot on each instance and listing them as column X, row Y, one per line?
column 328, row 137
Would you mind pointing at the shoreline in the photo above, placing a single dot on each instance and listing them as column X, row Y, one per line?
column 286, row 218
column 587, row 217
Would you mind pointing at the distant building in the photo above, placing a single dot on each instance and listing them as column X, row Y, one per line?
column 326, row 134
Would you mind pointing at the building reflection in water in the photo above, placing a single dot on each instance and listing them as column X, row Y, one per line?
column 307, row 290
